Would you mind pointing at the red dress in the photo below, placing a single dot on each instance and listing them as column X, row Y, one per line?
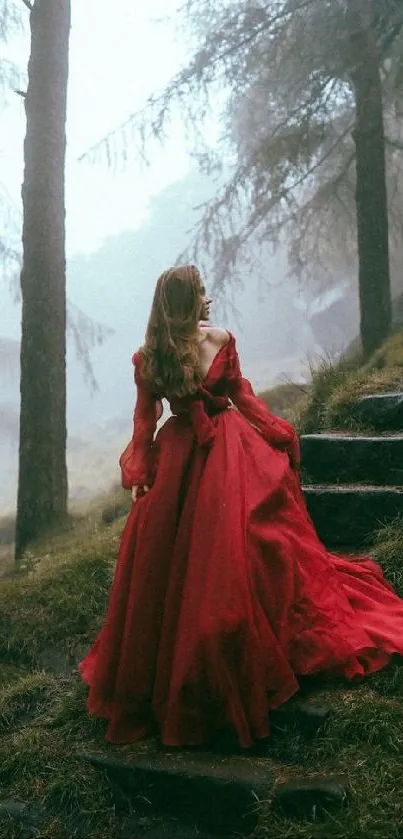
column 223, row 593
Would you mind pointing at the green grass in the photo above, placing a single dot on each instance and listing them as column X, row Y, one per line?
column 337, row 385
column 60, row 600
column 388, row 551
column 103, row 509
column 363, row 742
column 59, row 604
column 327, row 377
column 286, row 399
column 38, row 762
column 56, row 604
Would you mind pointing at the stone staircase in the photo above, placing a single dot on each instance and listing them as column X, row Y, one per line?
column 353, row 483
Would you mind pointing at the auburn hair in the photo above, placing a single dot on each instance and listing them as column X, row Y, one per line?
column 170, row 355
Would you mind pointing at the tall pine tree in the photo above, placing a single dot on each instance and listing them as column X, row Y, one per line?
column 42, row 480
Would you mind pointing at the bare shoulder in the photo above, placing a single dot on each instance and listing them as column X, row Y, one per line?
column 217, row 336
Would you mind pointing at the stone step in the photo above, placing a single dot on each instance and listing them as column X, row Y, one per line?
column 380, row 411
column 347, row 515
column 183, row 794
column 351, row 458
column 312, row 796
column 214, row 793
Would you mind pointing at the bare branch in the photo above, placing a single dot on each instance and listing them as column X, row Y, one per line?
column 203, row 65
column 394, row 144
column 86, row 334
column 273, row 208
column 287, row 122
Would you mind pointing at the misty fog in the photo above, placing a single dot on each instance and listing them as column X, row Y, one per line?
column 123, row 229
column 114, row 286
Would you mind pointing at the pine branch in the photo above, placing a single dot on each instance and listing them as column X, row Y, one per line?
column 203, row 61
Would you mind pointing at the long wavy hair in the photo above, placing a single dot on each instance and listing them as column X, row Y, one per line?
column 171, row 352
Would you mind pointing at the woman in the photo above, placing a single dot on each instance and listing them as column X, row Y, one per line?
column 223, row 595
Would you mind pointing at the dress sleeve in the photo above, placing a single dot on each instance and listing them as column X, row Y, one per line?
column 276, row 430
column 137, row 460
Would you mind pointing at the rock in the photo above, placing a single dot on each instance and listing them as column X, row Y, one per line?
column 56, row 661
column 311, row 796
column 347, row 516
column 27, row 816
column 308, row 717
column 16, row 810
column 346, row 458
column 221, row 795
column 380, row 411
column 163, row 828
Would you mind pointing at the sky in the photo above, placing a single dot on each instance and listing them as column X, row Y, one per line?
column 116, row 61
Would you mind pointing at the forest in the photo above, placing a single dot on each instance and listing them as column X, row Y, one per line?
column 269, row 152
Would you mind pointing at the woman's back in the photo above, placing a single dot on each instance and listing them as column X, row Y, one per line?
column 211, row 341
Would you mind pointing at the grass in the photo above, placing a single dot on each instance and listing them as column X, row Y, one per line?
column 388, row 551
column 327, row 377
column 60, row 599
column 105, row 508
column 363, row 742
column 326, row 403
column 286, row 399
column 58, row 604
column 38, row 763
column 337, row 385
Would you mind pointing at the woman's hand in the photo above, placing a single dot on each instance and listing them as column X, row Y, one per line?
column 138, row 492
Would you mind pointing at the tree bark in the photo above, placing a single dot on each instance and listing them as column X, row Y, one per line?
column 371, row 191
column 42, row 480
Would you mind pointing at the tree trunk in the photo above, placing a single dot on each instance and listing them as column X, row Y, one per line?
column 371, row 193
column 42, row 480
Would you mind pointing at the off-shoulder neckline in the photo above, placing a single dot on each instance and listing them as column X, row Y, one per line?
column 218, row 353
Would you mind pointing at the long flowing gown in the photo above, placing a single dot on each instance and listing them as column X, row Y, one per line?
column 223, row 594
